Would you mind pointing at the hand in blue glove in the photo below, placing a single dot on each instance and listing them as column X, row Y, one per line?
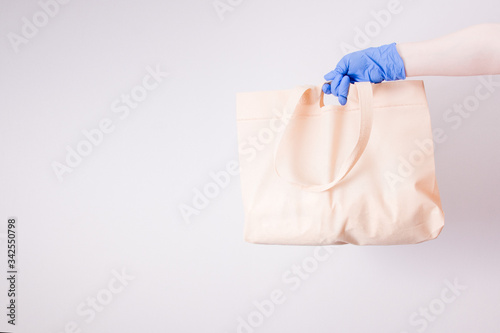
column 374, row 64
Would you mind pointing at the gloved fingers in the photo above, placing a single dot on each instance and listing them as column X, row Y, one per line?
column 330, row 75
column 343, row 89
column 334, row 76
column 336, row 83
column 337, row 74
column 343, row 65
column 326, row 88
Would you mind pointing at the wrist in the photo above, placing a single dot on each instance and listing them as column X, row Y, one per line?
column 396, row 66
column 402, row 51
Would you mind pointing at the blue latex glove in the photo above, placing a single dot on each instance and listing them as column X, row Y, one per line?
column 374, row 64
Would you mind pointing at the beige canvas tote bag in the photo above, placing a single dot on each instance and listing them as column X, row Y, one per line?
column 315, row 174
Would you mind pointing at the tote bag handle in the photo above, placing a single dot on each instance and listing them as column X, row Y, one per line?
column 365, row 96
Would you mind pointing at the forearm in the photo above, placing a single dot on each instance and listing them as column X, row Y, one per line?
column 471, row 51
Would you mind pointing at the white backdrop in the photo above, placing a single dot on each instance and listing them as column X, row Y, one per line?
column 144, row 93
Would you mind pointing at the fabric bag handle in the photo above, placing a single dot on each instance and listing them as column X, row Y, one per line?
column 365, row 96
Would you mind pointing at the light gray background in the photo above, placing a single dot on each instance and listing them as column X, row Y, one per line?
column 119, row 209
